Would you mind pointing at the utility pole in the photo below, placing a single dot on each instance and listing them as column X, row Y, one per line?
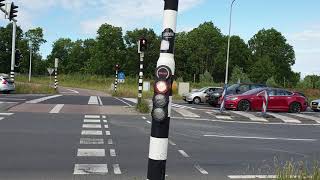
column 162, row 98
column 142, row 46
column 30, row 66
column 56, row 82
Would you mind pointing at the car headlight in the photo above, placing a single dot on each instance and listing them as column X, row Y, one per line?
column 216, row 94
column 232, row 99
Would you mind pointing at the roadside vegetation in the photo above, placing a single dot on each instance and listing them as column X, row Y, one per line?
column 26, row 88
column 143, row 106
column 298, row 171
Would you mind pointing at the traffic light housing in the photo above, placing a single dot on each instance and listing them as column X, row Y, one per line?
column 117, row 66
column 18, row 57
column 2, row 3
column 143, row 44
column 163, row 90
column 13, row 11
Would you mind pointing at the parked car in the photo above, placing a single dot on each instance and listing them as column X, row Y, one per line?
column 6, row 84
column 214, row 98
column 279, row 100
column 315, row 105
column 199, row 96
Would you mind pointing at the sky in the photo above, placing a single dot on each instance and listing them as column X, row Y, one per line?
column 297, row 20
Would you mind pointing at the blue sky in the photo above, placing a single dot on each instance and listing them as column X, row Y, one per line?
column 298, row 20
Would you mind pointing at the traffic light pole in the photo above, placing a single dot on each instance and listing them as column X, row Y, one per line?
column 13, row 50
column 56, row 82
column 162, row 99
column 140, row 78
column 116, row 81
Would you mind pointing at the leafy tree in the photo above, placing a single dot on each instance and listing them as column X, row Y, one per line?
column 271, row 82
column 238, row 74
column 262, row 70
column 206, row 77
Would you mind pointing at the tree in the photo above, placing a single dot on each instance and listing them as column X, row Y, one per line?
column 273, row 44
column 36, row 38
column 262, row 70
column 206, row 77
column 238, row 74
column 271, row 82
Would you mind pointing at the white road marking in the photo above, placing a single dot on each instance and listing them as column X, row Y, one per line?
column 74, row 91
column 149, row 122
column 224, row 117
column 1, row 118
column 183, row 153
column 92, row 126
column 252, row 176
column 93, row 100
column 285, row 119
column 200, row 169
column 172, row 143
column 106, row 126
column 182, row 106
column 260, row 138
column 116, row 169
column 80, row 169
column 91, row 120
column 144, row 118
column 6, row 114
column 105, row 121
column 113, row 153
column 100, row 102
column 308, row 117
column 35, row 101
column 110, row 141
column 91, row 132
column 91, row 152
column 244, row 122
column 250, row 116
column 185, row 113
column 104, row 117
column 123, row 101
column 91, row 141
column 56, row 109
column 108, row 133
column 92, row 116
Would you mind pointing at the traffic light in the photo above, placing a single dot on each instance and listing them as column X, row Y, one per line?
column 117, row 66
column 142, row 45
column 2, row 3
column 18, row 57
column 163, row 90
column 13, row 11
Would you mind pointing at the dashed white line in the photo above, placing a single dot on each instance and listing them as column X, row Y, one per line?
column 250, row 116
column 252, row 176
column 108, row 133
column 80, row 169
column 172, row 143
column 106, row 126
column 259, row 138
column 144, row 118
column 105, row 121
column 91, row 132
column 149, row 122
column 100, row 102
column 91, row 152
column 104, row 117
column 92, row 116
column 93, row 100
column 91, row 120
column 123, row 101
column 285, row 118
column 183, row 153
column 92, row 126
column 224, row 117
column 56, row 109
column 113, row 153
column 110, row 141
column 91, row 141
column 116, row 169
column 74, row 91
column 308, row 117
column 186, row 113
column 6, row 114
column 35, row 101
column 200, row 169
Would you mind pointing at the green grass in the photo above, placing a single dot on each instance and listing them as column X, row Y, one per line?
column 26, row 88
column 143, row 106
column 298, row 171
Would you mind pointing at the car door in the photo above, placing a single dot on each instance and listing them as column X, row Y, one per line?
column 284, row 97
column 272, row 100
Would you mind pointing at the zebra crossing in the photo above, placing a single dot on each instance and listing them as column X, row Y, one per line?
column 4, row 115
column 95, row 142
column 185, row 112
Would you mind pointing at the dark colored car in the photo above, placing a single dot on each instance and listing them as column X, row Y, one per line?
column 279, row 100
column 214, row 97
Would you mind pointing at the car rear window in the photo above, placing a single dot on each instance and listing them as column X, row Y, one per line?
column 281, row 92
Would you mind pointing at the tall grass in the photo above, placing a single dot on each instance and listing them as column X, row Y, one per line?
column 298, row 171
column 25, row 88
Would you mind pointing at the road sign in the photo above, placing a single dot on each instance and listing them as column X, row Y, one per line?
column 121, row 77
column 50, row 70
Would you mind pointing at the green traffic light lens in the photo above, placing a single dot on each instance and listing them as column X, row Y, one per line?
column 158, row 114
column 160, row 101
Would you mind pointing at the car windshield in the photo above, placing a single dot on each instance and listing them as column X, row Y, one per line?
column 233, row 87
column 253, row 91
column 202, row 89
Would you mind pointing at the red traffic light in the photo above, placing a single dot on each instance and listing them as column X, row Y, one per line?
column 143, row 43
column 161, row 87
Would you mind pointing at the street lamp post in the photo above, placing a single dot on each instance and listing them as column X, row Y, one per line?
column 229, row 37
column 30, row 66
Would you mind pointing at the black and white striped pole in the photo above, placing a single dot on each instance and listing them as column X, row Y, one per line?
column 56, row 62
column 162, row 98
column 13, row 55
column 116, row 80
column 142, row 46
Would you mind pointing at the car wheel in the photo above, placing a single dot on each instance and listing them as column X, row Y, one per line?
column 295, row 107
column 196, row 100
column 244, row 105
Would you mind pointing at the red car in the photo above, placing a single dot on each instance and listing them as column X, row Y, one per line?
column 279, row 100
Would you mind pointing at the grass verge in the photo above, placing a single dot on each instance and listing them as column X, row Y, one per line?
column 143, row 106
column 26, row 88
column 298, row 171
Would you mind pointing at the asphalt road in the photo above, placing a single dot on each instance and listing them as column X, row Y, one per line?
column 50, row 138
